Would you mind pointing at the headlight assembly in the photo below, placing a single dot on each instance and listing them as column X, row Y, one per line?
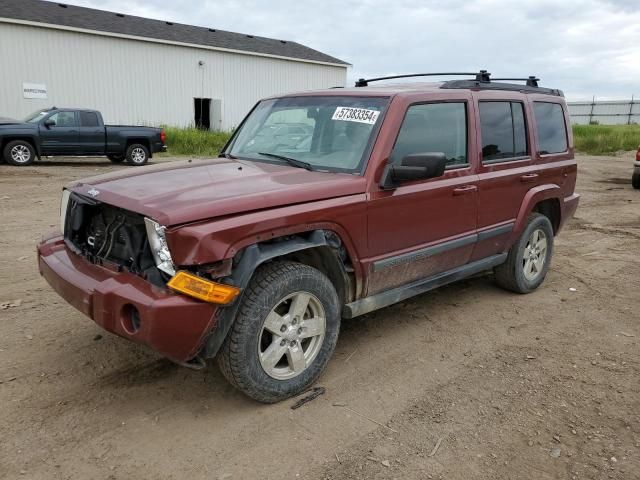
column 159, row 247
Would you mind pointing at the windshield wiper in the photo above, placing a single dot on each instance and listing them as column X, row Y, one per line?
column 227, row 155
column 291, row 161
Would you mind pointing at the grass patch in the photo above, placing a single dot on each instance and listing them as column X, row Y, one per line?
column 605, row 139
column 195, row 142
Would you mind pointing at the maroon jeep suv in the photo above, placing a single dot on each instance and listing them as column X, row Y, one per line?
column 324, row 205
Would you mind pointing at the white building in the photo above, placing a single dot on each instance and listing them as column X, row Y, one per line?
column 142, row 71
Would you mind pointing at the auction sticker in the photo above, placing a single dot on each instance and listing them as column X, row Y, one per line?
column 361, row 115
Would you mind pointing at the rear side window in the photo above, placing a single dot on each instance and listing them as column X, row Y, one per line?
column 89, row 119
column 552, row 131
column 434, row 127
column 504, row 134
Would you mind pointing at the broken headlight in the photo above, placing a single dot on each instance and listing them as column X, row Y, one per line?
column 159, row 247
column 64, row 203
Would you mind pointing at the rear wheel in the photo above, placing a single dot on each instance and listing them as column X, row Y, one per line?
column 284, row 334
column 635, row 181
column 137, row 154
column 529, row 258
column 19, row 153
column 116, row 158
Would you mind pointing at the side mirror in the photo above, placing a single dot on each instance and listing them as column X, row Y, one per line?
column 49, row 123
column 417, row 166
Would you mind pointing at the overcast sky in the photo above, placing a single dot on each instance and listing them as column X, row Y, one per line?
column 584, row 47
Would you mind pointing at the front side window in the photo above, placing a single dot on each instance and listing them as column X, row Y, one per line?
column 552, row 130
column 331, row 133
column 434, row 128
column 64, row 119
column 502, row 126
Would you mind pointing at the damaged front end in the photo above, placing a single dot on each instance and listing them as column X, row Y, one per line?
column 116, row 238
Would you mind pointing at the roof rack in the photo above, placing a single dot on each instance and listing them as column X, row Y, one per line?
column 532, row 80
column 482, row 80
column 481, row 76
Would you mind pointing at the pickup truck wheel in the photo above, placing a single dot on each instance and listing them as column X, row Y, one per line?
column 137, row 154
column 19, row 153
column 529, row 258
column 284, row 334
column 635, row 181
column 116, row 158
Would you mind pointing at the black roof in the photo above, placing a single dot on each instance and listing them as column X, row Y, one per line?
column 116, row 23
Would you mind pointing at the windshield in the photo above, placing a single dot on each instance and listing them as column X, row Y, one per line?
column 325, row 133
column 35, row 117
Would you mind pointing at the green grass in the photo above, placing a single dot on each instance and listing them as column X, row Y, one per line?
column 590, row 139
column 195, row 142
column 605, row 139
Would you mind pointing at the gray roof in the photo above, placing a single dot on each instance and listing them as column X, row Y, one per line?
column 115, row 23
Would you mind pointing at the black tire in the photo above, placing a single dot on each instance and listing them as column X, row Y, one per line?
column 116, row 158
column 19, row 153
column 635, row 181
column 511, row 274
column 239, row 358
column 137, row 154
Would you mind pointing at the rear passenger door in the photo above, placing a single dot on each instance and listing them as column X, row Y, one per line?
column 425, row 227
column 92, row 133
column 506, row 171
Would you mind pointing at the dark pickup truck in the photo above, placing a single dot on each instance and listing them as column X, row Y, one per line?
column 76, row 132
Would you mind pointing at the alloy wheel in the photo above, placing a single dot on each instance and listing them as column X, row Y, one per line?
column 292, row 335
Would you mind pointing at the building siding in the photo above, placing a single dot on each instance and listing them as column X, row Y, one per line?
column 138, row 82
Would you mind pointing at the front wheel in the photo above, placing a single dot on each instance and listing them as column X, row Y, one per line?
column 635, row 181
column 19, row 153
column 529, row 258
column 284, row 334
column 137, row 154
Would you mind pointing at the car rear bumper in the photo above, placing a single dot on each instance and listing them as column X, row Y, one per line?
column 569, row 207
column 127, row 305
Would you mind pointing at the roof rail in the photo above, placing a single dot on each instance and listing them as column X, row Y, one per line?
column 481, row 76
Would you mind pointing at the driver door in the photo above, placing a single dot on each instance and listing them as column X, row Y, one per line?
column 425, row 227
column 63, row 137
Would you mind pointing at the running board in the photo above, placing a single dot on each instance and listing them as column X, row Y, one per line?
column 389, row 297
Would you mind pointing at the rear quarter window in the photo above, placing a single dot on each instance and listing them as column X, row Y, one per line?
column 552, row 130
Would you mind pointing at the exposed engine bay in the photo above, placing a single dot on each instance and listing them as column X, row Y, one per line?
column 110, row 236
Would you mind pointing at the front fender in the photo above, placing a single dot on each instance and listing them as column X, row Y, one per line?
column 252, row 257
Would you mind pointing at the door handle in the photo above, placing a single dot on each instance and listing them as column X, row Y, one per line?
column 464, row 189
column 529, row 177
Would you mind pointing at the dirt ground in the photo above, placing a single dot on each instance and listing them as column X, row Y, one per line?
column 467, row 382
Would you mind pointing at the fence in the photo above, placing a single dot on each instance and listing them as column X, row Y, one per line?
column 612, row 112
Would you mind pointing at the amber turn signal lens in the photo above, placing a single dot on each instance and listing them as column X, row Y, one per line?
column 202, row 289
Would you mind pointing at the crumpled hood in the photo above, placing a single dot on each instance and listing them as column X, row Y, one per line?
column 187, row 191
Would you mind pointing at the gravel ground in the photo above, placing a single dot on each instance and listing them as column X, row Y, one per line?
column 465, row 382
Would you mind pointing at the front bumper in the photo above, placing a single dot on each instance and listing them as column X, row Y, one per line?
column 172, row 324
column 636, row 167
